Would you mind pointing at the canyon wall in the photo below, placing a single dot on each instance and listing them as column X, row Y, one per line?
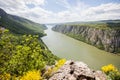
column 105, row 39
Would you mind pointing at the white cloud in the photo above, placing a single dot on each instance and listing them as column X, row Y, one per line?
column 78, row 12
column 101, row 12
column 35, row 2
column 104, row 11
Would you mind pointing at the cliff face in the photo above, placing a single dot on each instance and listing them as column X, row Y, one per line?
column 106, row 39
column 72, row 70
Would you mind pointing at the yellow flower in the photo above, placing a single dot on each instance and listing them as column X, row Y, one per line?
column 60, row 62
column 5, row 76
column 109, row 68
column 32, row 75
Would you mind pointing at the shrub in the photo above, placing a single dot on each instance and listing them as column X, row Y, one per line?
column 52, row 70
column 5, row 76
column 109, row 68
column 111, row 71
column 19, row 54
column 32, row 75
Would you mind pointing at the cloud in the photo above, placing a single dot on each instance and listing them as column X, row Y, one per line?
column 104, row 11
column 78, row 11
column 19, row 5
column 35, row 2
column 101, row 12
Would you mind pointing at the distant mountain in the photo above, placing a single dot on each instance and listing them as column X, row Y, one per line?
column 94, row 22
column 19, row 25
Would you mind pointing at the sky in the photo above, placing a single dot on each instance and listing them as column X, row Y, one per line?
column 58, row 11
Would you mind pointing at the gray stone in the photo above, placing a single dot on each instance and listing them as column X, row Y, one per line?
column 72, row 70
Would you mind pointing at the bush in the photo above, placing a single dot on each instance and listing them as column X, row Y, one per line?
column 32, row 75
column 19, row 54
column 5, row 76
column 112, row 72
column 52, row 70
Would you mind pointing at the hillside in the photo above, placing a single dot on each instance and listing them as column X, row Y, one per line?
column 20, row 25
column 19, row 54
column 104, row 35
column 21, row 49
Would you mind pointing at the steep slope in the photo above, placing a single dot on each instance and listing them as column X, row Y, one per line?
column 20, row 25
column 21, row 53
column 104, row 34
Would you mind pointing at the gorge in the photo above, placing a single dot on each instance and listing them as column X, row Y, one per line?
column 104, row 35
column 66, row 47
column 59, row 39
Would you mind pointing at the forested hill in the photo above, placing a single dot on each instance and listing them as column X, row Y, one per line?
column 21, row 49
column 19, row 25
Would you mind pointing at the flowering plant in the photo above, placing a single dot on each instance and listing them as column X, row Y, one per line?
column 111, row 71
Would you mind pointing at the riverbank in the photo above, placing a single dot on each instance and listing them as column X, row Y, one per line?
column 69, row 48
column 103, row 36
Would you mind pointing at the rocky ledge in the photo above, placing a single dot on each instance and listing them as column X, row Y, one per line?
column 72, row 70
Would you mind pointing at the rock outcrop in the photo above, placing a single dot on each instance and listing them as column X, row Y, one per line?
column 77, row 71
column 105, row 39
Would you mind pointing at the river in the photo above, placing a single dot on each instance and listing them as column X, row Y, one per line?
column 71, row 49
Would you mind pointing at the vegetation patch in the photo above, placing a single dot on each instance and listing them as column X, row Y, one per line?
column 111, row 71
column 20, row 54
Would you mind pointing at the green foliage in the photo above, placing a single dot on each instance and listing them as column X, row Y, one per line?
column 19, row 54
column 20, row 25
column 50, row 71
column 76, row 36
column 100, row 45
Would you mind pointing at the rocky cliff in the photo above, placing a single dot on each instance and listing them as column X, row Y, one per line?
column 72, row 70
column 107, row 39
